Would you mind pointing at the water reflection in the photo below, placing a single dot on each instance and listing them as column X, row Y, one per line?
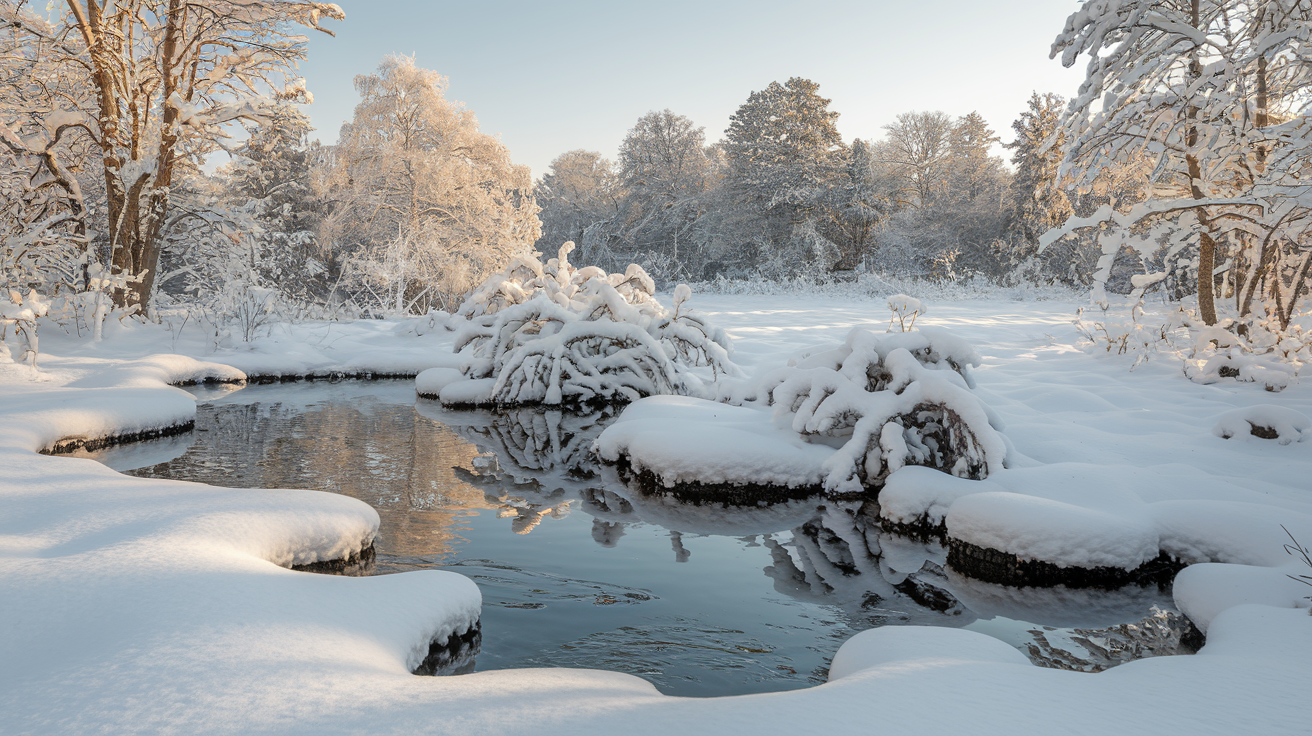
column 579, row 567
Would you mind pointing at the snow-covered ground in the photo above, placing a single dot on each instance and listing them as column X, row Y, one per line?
column 132, row 605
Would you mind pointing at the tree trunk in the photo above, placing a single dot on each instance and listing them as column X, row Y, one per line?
column 1206, row 246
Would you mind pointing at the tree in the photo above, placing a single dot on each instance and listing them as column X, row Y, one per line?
column 1038, row 203
column 167, row 75
column 860, row 204
column 664, row 169
column 973, row 171
column 249, row 226
column 783, row 148
column 45, row 241
column 918, row 148
column 414, row 184
column 579, row 190
column 784, row 154
column 1210, row 91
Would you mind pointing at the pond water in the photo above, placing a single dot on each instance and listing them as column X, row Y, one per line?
column 577, row 569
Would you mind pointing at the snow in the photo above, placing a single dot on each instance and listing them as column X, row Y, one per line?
column 682, row 440
column 135, row 605
column 1287, row 425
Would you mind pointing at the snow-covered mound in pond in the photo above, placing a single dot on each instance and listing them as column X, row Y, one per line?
column 844, row 419
column 684, row 440
column 556, row 335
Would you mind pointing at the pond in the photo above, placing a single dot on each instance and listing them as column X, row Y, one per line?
column 577, row 569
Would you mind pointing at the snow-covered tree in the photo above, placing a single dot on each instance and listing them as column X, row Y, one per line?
column 948, row 191
column 918, row 150
column 1038, row 203
column 784, row 155
column 167, row 76
column 783, row 148
column 579, row 196
column 417, row 187
column 1210, row 91
column 973, row 171
column 664, row 169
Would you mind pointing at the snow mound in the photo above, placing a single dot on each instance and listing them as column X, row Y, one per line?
column 891, row 400
column 1267, row 370
column 906, row 644
column 1065, row 534
column 883, row 400
column 556, row 335
column 1265, row 421
column 690, row 440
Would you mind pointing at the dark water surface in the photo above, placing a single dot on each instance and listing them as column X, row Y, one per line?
column 578, row 570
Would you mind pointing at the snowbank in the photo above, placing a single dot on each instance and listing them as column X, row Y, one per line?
column 684, row 440
column 138, row 606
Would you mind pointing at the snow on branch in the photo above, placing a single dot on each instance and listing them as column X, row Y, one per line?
column 557, row 335
column 899, row 398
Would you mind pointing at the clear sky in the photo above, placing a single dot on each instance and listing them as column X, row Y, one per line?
column 548, row 77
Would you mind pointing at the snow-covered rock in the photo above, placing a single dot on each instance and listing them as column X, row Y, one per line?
column 1265, row 421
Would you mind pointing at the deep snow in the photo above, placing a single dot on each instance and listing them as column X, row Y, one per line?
column 155, row 606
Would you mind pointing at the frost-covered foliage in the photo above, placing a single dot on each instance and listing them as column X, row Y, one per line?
column 554, row 334
column 1246, row 350
column 1211, row 96
column 423, row 204
column 889, row 400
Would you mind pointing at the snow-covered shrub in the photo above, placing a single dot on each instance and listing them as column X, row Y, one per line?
column 1126, row 336
column 889, row 400
column 23, row 313
column 1265, row 421
column 1249, row 350
column 556, row 335
column 905, row 310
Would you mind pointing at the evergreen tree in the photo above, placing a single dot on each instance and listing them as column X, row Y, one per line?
column 1038, row 204
column 973, row 170
column 784, row 156
column 783, row 148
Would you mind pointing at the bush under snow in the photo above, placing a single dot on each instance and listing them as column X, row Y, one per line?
column 844, row 419
column 558, row 335
column 894, row 399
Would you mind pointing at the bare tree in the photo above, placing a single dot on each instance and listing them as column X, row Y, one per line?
column 918, row 147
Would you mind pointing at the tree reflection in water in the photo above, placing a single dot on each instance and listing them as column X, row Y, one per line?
column 579, row 567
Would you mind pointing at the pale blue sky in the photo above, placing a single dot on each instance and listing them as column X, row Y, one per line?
column 550, row 77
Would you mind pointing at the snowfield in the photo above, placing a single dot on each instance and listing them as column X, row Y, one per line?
column 146, row 606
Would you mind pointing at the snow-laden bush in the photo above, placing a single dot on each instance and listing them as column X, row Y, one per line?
column 558, row 335
column 1250, row 350
column 888, row 400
